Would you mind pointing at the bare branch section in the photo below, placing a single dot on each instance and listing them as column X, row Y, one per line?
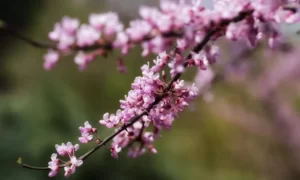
column 7, row 29
column 159, row 98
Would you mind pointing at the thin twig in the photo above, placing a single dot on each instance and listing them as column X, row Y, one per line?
column 13, row 32
column 34, row 167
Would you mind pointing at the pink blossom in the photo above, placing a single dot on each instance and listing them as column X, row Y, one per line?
column 122, row 41
column 148, row 137
column 98, row 20
column 87, row 128
column 176, row 65
column 65, row 41
column 179, row 84
column 160, row 62
column 53, row 165
column 69, row 170
column 50, row 59
column 292, row 18
column 55, row 34
column 156, row 45
column 212, row 53
column 229, row 8
column 70, row 25
column 152, row 149
column 64, row 33
column 149, row 13
column 204, row 58
column 87, row 35
column 66, row 149
column 82, row 59
column 136, row 152
column 164, row 24
column 108, row 23
column 114, row 151
column 72, row 168
column 182, row 44
column 87, row 133
column 85, row 138
column 76, row 162
column 111, row 120
column 138, row 29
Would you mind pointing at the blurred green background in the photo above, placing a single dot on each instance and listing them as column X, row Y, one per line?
column 39, row 109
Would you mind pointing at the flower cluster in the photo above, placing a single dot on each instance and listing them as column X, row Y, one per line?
column 69, row 34
column 183, row 24
column 64, row 150
column 87, row 133
column 145, row 90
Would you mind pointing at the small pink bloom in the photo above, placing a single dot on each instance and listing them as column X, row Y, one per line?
column 110, row 120
column 115, row 150
column 87, row 35
column 66, row 149
column 69, row 170
column 55, row 34
column 136, row 152
column 53, row 165
column 74, row 163
column 87, row 133
column 87, row 128
column 50, row 59
column 152, row 149
column 65, row 41
column 82, row 59
column 69, row 25
column 108, row 22
column 138, row 30
column 85, row 138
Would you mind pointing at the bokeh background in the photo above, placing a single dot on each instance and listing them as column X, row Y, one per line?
column 246, row 127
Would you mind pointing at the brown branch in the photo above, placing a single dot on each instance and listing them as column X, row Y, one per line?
column 34, row 167
column 159, row 98
column 5, row 28
column 14, row 33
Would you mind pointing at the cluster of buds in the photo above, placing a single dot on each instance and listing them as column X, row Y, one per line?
column 64, row 150
column 87, row 133
column 68, row 150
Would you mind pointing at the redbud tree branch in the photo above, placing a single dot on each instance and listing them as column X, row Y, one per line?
column 159, row 98
column 7, row 29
